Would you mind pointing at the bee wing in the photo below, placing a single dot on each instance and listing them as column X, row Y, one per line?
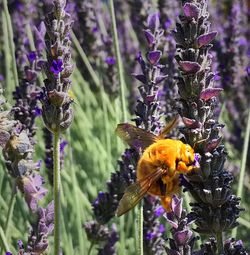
column 135, row 192
column 169, row 126
column 134, row 136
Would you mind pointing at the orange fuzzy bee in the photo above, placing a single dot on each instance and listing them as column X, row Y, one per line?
column 159, row 167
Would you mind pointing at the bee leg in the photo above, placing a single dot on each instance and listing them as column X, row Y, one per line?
column 182, row 167
column 166, row 203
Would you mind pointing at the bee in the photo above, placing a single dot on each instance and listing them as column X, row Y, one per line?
column 159, row 167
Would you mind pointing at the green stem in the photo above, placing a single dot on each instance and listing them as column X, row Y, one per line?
column 243, row 165
column 219, row 239
column 11, row 41
column 119, row 61
column 56, row 187
column 90, row 248
column 140, row 229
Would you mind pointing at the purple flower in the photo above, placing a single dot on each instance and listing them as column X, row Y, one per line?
column 189, row 67
column 32, row 56
column 63, row 144
column 153, row 21
column 8, row 253
column 182, row 237
column 205, row 39
column 167, row 24
column 159, row 211
column 110, row 60
column 32, row 188
column 140, row 77
column 150, row 236
column 176, row 206
column 20, row 244
column 56, row 67
column 149, row 37
column 209, row 93
column 1, row 77
column 161, row 228
column 191, row 10
column 154, row 56
column 38, row 111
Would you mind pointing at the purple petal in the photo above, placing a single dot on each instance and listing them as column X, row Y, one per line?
column 160, row 78
column 161, row 228
column 150, row 236
column 150, row 98
column 149, row 37
column 210, row 146
column 167, row 24
column 209, row 93
column 172, row 223
column 159, row 211
column 30, row 74
column 110, row 60
column 38, row 111
column 32, row 56
column 182, row 237
column 191, row 10
column 191, row 123
column 154, row 56
column 140, row 77
column 189, row 67
column 153, row 21
column 176, row 205
column 205, row 39
column 20, row 244
column 63, row 144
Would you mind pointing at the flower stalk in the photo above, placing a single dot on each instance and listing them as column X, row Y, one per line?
column 56, row 187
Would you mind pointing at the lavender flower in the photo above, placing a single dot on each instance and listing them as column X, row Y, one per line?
column 109, row 247
column 152, row 229
column 231, row 247
column 216, row 209
column 32, row 188
column 231, row 52
column 57, row 113
column 110, row 80
column 147, row 108
column 147, row 117
column 37, row 240
column 183, row 239
column 56, row 67
column 97, row 234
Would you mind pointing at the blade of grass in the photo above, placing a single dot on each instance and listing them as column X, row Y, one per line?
column 244, row 222
column 92, row 72
column 77, row 205
column 3, row 240
column 7, row 57
column 11, row 41
column 118, row 61
column 243, row 165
